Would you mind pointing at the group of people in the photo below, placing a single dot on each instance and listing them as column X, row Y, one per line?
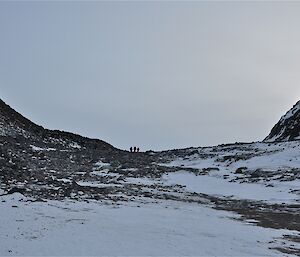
column 134, row 149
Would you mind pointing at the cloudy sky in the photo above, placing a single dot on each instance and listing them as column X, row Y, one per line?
column 159, row 75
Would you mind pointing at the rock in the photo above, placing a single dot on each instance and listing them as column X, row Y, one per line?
column 240, row 170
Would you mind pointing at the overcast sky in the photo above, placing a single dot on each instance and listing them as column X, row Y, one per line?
column 158, row 75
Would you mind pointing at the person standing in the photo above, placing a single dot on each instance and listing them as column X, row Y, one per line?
column 131, row 149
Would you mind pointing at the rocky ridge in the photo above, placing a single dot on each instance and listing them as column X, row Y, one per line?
column 288, row 127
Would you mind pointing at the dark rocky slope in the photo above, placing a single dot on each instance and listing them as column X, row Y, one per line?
column 288, row 127
column 39, row 161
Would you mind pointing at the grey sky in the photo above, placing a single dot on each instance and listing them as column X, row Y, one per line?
column 158, row 75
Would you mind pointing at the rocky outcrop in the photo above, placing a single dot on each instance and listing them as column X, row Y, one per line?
column 288, row 127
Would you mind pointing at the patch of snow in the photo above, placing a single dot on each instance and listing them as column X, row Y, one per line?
column 75, row 145
column 196, row 163
column 35, row 148
column 65, row 180
column 273, row 156
column 101, row 164
column 130, row 169
column 218, row 186
column 96, row 184
column 102, row 172
column 142, row 181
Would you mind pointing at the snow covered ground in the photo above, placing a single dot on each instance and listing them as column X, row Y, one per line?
column 217, row 168
column 135, row 218
column 215, row 184
column 166, row 228
column 271, row 156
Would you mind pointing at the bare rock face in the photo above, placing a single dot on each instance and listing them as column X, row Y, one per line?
column 288, row 127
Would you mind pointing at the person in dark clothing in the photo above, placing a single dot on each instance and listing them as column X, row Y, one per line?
column 138, row 149
column 131, row 149
column 134, row 149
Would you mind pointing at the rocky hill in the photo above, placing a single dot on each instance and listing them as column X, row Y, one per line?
column 288, row 127
column 14, row 125
column 51, row 163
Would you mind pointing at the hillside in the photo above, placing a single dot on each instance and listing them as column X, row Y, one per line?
column 288, row 127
